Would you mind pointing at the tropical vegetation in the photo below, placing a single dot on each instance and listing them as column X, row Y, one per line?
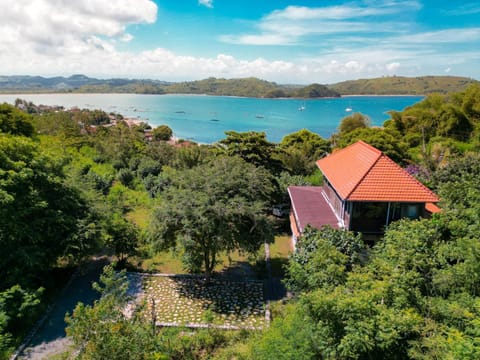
column 71, row 187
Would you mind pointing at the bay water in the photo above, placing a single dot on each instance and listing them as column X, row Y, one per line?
column 205, row 119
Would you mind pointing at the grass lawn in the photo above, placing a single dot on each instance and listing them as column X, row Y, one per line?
column 279, row 252
column 282, row 246
column 167, row 262
column 187, row 300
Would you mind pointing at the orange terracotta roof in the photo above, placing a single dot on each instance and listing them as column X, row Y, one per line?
column 361, row 172
column 432, row 208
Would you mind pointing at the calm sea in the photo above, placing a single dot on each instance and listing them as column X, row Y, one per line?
column 205, row 119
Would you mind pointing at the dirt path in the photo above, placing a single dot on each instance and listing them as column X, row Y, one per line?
column 50, row 339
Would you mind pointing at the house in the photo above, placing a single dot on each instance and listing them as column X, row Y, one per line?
column 363, row 191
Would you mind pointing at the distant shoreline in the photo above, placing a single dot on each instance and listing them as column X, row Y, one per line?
column 384, row 95
column 187, row 94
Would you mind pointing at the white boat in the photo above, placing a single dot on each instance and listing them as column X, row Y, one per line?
column 302, row 107
column 348, row 109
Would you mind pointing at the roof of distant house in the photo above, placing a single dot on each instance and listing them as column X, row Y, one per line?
column 361, row 172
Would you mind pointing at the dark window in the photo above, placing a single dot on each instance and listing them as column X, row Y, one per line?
column 369, row 217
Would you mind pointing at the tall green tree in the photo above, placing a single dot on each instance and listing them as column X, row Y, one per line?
column 162, row 132
column 122, row 237
column 214, row 207
column 253, row 147
column 40, row 216
column 300, row 150
column 353, row 122
column 14, row 121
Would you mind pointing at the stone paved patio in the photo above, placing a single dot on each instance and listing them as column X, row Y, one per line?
column 186, row 300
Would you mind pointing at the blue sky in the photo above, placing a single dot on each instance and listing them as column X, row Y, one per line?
column 284, row 41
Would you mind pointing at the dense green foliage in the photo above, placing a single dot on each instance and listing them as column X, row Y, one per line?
column 14, row 121
column 162, row 132
column 251, row 146
column 323, row 258
column 299, row 151
column 40, row 218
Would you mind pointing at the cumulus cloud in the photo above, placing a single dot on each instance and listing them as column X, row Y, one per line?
column 207, row 3
column 64, row 26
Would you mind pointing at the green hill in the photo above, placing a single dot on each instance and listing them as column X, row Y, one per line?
column 246, row 87
column 399, row 85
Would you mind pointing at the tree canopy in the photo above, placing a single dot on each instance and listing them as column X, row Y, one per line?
column 14, row 121
column 353, row 122
column 251, row 146
column 214, row 207
column 40, row 216
column 299, row 151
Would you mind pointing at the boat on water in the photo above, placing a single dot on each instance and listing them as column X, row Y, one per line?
column 259, row 116
column 302, row 107
column 348, row 109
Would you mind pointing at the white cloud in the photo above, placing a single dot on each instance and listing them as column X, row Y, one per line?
column 207, row 3
column 392, row 67
column 443, row 36
column 292, row 24
column 64, row 26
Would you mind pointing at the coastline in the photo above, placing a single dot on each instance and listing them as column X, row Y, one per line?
column 385, row 95
column 190, row 117
column 10, row 93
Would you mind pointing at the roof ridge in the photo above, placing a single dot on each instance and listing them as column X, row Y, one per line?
column 370, row 147
column 380, row 154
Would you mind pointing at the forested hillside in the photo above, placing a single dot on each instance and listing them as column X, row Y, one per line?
column 401, row 85
column 247, row 87
column 73, row 184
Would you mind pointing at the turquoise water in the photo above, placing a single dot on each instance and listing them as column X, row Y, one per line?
column 206, row 118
